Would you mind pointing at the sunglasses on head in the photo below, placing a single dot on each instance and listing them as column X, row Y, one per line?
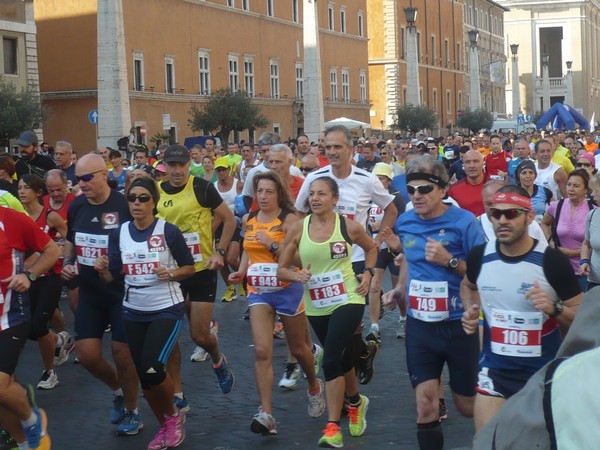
column 421, row 188
column 143, row 198
column 510, row 214
column 583, row 165
column 87, row 177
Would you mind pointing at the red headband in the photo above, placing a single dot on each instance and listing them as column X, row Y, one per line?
column 514, row 199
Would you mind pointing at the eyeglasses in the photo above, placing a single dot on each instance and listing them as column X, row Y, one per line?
column 383, row 153
column 510, row 214
column 143, row 198
column 583, row 165
column 87, row 177
column 307, row 169
column 421, row 188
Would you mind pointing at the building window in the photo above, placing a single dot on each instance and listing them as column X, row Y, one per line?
column 362, row 79
column 170, row 74
column 404, row 95
column 333, row 84
column 330, row 16
column 274, row 74
column 402, row 43
column 421, row 96
column 9, row 46
column 459, row 100
column 342, row 20
column 446, row 53
column 361, row 24
column 435, row 101
column 270, row 9
column 138, row 71
column 246, row 5
column 231, row 3
column 295, row 10
column 448, row 101
column 249, row 76
column 458, row 56
column 346, row 85
column 299, row 81
column 204, row 72
column 433, row 52
column 234, row 77
column 419, row 46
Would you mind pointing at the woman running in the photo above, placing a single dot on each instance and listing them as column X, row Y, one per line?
column 45, row 291
column 334, row 299
column 153, row 256
column 264, row 231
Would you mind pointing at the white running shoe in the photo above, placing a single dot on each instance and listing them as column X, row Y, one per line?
column 316, row 402
column 291, row 375
column 199, row 355
column 49, row 380
column 61, row 353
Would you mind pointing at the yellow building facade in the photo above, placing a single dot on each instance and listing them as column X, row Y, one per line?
column 179, row 51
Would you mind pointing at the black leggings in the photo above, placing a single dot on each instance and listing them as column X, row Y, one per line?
column 335, row 334
column 150, row 344
column 44, row 295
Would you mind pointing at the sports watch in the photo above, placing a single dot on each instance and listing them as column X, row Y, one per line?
column 558, row 309
column 453, row 263
column 32, row 276
column 274, row 247
column 221, row 251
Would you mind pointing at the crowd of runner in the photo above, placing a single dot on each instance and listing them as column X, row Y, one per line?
column 490, row 241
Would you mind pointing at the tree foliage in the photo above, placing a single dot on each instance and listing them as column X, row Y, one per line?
column 20, row 110
column 475, row 120
column 227, row 111
column 414, row 118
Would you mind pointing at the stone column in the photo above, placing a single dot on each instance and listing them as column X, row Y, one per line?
column 475, row 94
column 413, row 96
column 313, row 87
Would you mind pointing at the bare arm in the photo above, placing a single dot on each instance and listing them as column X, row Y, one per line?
column 546, row 225
column 290, row 246
column 560, row 176
column 390, row 213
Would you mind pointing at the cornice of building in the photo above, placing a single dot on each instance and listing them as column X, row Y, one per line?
column 69, row 94
column 18, row 27
column 525, row 4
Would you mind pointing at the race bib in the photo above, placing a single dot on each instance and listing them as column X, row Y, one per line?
column 346, row 209
column 89, row 247
column 449, row 154
column 516, row 333
column 193, row 242
column 139, row 266
column 262, row 277
column 327, row 289
column 429, row 300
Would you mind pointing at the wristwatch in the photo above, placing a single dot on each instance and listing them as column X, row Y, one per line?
column 370, row 270
column 221, row 251
column 30, row 275
column 274, row 247
column 558, row 309
column 453, row 263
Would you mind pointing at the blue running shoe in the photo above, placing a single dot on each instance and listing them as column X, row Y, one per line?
column 118, row 409
column 181, row 404
column 130, row 424
column 37, row 431
column 225, row 376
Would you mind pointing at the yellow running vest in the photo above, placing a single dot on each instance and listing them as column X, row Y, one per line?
column 194, row 221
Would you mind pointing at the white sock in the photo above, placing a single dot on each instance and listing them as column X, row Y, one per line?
column 31, row 421
column 375, row 326
column 179, row 395
column 402, row 319
column 118, row 392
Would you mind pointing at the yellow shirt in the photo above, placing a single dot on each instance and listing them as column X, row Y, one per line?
column 563, row 162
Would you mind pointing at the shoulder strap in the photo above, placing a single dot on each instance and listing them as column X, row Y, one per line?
column 591, row 204
column 547, row 401
column 555, row 223
column 344, row 229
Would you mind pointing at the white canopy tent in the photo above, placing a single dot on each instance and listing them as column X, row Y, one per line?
column 351, row 124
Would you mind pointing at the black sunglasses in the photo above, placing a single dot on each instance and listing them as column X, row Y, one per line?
column 143, row 198
column 583, row 165
column 88, row 176
column 422, row 188
column 307, row 169
column 510, row 214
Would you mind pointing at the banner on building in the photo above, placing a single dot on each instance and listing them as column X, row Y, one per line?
column 497, row 72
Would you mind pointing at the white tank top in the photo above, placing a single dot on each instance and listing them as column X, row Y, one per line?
column 545, row 177
column 229, row 196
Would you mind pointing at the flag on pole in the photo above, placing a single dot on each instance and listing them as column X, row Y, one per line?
column 592, row 122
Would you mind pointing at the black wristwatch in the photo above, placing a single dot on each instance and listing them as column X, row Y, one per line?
column 558, row 309
column 453, row 263
column 32, row 276
column 370, row 270
column 221, row 251
column 274, row 247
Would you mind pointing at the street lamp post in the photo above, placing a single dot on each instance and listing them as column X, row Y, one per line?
column 569, row 99
column 412, row 59
column 516, row 94
column 475, row 91
column 545, row 83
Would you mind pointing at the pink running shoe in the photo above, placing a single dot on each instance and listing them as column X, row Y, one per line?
column 158, row 443
column 174, row 430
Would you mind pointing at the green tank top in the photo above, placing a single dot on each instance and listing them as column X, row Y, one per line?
column 333, row 283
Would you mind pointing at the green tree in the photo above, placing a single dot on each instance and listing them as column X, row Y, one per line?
column 20, row 110
column 227, row 111
column 414, row 118
column 475, row 120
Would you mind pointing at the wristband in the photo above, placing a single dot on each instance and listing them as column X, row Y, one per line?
column 584, row 261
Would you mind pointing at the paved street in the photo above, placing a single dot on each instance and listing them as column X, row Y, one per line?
column 78, row 408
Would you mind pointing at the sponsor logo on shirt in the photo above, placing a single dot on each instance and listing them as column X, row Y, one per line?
column 338, row 250
column 156, row 243
column 110, row 220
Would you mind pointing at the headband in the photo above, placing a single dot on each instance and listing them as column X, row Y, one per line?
column 513, row 199
column 425, row 176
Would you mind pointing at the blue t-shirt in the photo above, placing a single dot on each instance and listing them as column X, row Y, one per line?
column 512, row 167
column 399, row 184
column 457, row 229
column 120, row 179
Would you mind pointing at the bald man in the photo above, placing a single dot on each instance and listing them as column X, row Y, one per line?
column 91, row 218
column 467, row 192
